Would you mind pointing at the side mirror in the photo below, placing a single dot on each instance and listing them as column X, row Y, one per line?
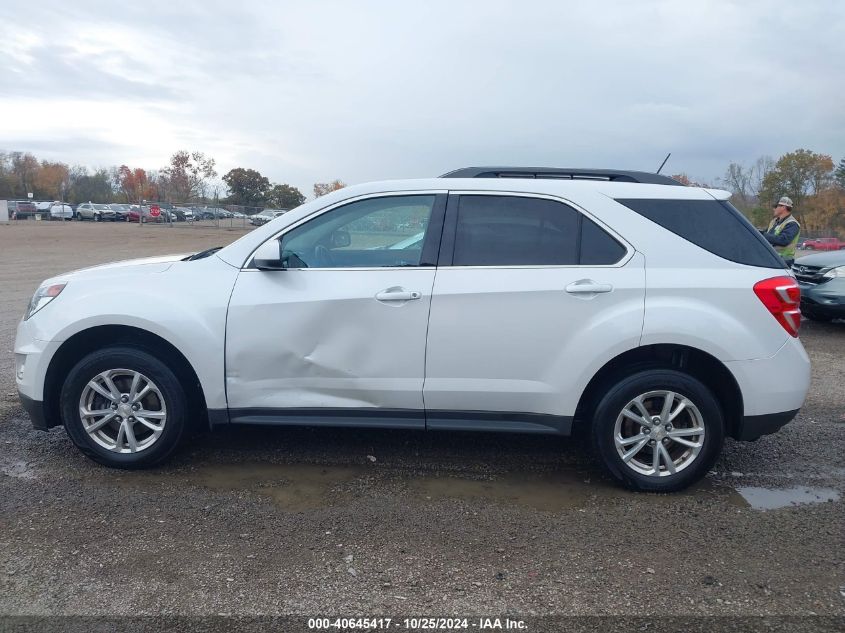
column 341, row 238
column 268, row 256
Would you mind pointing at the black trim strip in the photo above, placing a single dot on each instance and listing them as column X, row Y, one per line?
column 36, row 411
column 558, row 173
column 434, row 230
column 755, row 426
column 327, row 416
column 450, row 226
column 499, row 421
column 373, row 417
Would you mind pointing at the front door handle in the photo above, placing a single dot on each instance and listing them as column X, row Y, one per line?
column 397, row 294
column 587, row 286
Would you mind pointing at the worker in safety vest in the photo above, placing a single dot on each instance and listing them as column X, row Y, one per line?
column 784, row 230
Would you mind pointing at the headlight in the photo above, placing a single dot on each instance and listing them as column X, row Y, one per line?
column 833, row 273
column 43, row 296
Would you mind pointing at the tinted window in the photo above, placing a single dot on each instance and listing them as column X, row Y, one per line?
column 377, row 232
column 714, row 225
column 597, row 246
column 515, row 231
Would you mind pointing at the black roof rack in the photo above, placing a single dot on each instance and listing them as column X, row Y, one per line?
column 562, row 173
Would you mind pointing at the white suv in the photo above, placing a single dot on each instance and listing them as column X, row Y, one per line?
column 650, row 315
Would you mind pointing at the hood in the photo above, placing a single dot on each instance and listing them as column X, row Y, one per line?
column 826, row 260
column 143, row 266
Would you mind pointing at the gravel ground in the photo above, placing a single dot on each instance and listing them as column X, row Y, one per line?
column 346, row 522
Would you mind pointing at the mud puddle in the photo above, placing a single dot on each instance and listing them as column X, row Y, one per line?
column 775, row 498
column 302, row 487
column 294, row 487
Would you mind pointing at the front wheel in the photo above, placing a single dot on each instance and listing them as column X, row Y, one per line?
column 658, row 430
column 124, row 408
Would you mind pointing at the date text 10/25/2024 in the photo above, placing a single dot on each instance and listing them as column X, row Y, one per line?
column 419, row 623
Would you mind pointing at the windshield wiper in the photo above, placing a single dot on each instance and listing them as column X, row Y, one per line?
column 202, row 254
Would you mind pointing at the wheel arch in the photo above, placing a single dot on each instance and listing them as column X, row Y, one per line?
column 98, row 337
column 695, row 362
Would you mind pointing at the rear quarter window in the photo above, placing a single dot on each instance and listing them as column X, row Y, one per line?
column 714, row 225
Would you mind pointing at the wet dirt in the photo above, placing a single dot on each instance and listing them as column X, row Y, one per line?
column 298, row 487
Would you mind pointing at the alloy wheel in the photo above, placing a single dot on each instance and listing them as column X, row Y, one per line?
column 122, row 410
column 659, row 433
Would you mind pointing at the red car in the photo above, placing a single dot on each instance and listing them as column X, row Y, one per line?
column 823, row 244
column 141, row 214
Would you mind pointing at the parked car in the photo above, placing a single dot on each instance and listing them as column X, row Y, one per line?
column 21, row 209
column 821, row 277
column 60, row 211
column 184, row 213
column 541, row 301
column 823, row 244
column 43, row 206
column 265, row 216
column 121, row 210
column 143, row 214
column 95, row 212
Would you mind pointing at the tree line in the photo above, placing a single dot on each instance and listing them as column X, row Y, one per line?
column 188, row 177
column 815, row 184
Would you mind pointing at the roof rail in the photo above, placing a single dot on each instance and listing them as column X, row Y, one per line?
column 562, row 173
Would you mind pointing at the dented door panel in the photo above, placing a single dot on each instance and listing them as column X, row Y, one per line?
column 321, row 338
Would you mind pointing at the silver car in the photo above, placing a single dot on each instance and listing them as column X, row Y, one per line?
column 96, row 212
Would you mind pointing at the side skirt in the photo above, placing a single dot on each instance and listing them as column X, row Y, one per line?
column 495, row 421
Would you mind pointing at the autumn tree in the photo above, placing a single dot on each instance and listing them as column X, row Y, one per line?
column 284, row 197
column 322, row 188
column 797, row 174
column 246, row 186
column 839, row 174
column 24, row 166
column 824, row 211
column 187, row 174
column 51, row 181
column 134, row 184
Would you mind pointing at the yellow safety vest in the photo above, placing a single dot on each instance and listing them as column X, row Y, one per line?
column 788, row 251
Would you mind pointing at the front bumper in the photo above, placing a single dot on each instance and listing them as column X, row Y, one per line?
column 826, row 298
column 35, row 409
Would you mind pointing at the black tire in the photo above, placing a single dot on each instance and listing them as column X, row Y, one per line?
column 610, row 408
column 136, row 360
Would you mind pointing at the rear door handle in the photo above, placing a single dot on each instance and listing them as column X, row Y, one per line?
column 587, row 286
column 397, row 294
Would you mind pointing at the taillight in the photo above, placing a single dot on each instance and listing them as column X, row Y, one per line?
column 782, row 297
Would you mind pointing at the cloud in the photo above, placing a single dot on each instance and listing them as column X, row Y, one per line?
column 313, row 91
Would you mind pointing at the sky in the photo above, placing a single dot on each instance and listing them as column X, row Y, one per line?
column 311, row 91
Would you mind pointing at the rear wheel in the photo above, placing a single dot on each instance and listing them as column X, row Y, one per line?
column 658, row 430
column 124, row 408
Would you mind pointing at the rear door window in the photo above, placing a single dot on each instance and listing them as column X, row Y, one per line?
column 493, row 230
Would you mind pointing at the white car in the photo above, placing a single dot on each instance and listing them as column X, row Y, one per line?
column 648, row 314
column 60, row 211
